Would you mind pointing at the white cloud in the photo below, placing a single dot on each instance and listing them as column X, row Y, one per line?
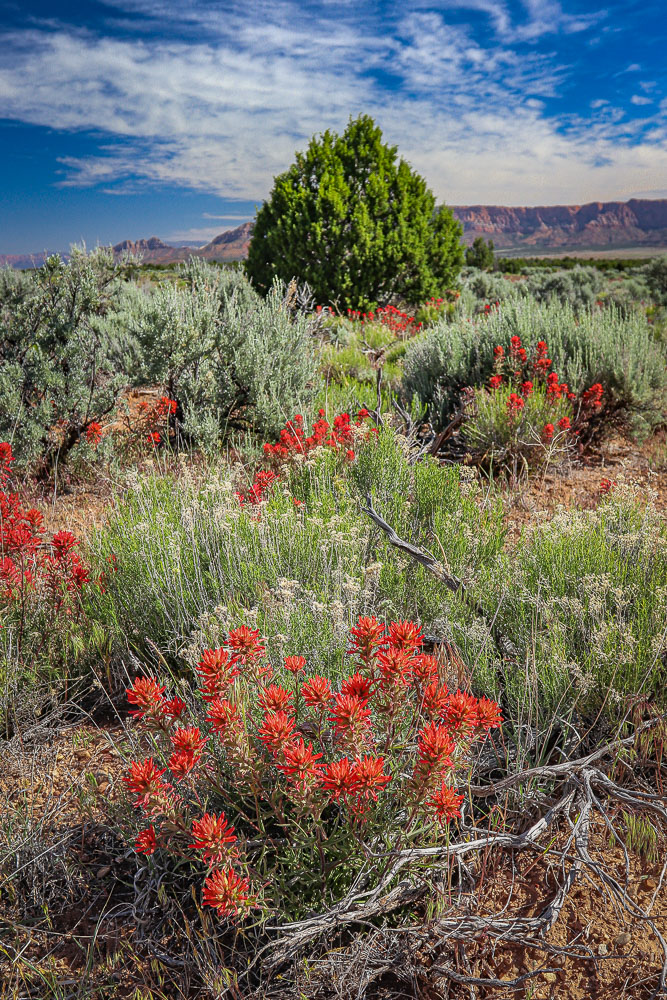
column 197, row 235
column 223, row 111
column 639, row 100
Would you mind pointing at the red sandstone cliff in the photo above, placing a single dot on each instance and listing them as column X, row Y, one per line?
column 597, row 225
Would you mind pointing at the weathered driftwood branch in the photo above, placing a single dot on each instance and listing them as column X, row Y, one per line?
column 505, row 646
column 583, row 787
column 569, row 768
column 454, row 425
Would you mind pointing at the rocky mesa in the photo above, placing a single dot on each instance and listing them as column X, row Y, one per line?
column 594, row 226
column 228, row 246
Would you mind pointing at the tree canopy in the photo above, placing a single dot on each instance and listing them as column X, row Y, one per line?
column 356, row 223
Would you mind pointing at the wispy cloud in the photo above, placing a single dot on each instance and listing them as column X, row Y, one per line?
column 196, row 235
column 240, row 218
column 218, row 100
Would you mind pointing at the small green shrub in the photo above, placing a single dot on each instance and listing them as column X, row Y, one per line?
column 192, row 561
column 597, row 345
column 655, row 274
column 355, row 223
column 584, row 598
column 44, row 630
column 579, row 288
column 231, row 359
column 505, row 430
column 63, row 363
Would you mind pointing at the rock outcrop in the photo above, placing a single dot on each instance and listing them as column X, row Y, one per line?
column 595, row 226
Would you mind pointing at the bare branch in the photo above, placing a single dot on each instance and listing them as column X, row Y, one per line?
column 505, row 646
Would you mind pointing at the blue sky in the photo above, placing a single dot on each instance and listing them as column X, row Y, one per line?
column 139, row 117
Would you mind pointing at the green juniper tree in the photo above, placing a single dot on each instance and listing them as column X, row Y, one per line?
column 355, row 223
column 481, row 254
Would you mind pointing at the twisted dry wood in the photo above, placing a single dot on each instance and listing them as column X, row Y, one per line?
column 505, row 646
column 407, row 879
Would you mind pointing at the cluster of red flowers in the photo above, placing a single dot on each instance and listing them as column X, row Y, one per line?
column 556, row 390
column 263, row 480
column 94, row 433
column 293, row 439
column 393, row 736
column 516, row 367
column 398, row 322
column 514, row 404
column 155, row 419
column 28, row 563
column 593, row 397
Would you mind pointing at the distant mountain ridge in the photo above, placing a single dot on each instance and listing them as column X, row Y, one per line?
column 594, row 226
column 228, row 246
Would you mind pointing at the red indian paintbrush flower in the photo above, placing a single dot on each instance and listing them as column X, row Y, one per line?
column 300, row 763
column 275, row 699
column 144, row 780
column 339, row 779
column 146, row 693
column 276, row 731
column 424, row 669
column 357, row 686
column 405, row 635
column 393, row 666
column 489, row 715
column 182, row 763
column 317, row 693
column 223, row 716
column 350, row 718
column 227, row 892
column 446, row 803
column 173, row 708
column 188, row 739
column 461, row 713
column 514, row 404
column 245, row 642
column 145, row 842
column 370, row 777
column 216, row 671
column 367, row 636
column 214, row 837
column 435, row 700
column 435, row 747
column 295, row 664
column 63, row 542
column 593, row 397
column 94, row 433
